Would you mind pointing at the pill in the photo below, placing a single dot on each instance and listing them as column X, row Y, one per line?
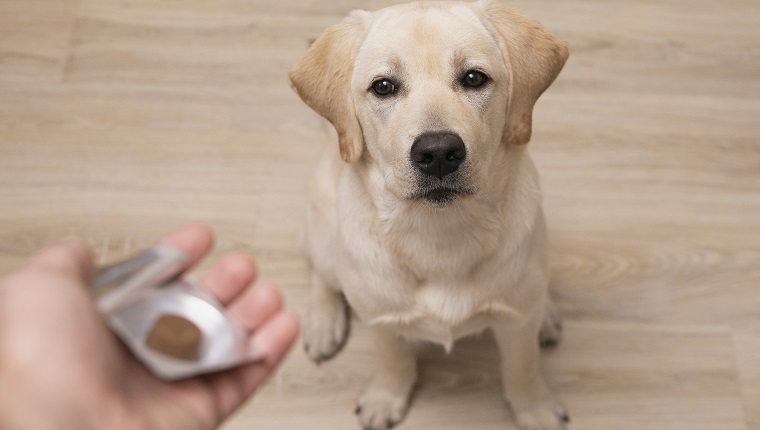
column 176, row 337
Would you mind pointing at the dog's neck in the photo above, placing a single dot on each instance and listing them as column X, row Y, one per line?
column 480, row 225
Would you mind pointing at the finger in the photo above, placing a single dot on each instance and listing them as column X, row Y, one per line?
column 231, row 388
column 255, row 306
column 272, row 341
column 195, row 239
column 229, row 277
column 72, row 258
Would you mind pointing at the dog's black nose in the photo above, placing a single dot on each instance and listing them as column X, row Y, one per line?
column 438, row 153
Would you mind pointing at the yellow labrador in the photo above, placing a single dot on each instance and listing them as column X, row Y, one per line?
column 428, row 219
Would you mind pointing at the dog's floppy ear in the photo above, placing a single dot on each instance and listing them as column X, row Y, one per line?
column 533, row 58
column 323, row 80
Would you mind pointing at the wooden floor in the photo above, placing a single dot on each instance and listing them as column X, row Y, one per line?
column 123, row 119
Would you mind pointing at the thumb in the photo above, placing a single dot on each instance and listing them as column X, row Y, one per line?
column 72, row 258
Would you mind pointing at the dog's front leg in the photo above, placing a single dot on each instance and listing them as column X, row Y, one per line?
column 386, row 400
column 533, row 404
column 327, row 323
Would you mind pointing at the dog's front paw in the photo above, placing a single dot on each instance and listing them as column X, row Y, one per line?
column 381, row 409
column 548, row 415
column 326, row 329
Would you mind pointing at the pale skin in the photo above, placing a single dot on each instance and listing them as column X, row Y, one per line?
column 61, row 368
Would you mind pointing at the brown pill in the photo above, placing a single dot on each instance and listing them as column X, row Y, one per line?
column 176, row 337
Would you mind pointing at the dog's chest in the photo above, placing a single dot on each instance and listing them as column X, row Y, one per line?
column 445, row 303
column 430, row 276
column 441, row 313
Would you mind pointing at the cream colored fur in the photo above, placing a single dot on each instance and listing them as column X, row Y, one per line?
column 412, row 270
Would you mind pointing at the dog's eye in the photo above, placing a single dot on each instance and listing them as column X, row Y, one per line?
column 474, row 79
column 383, row 87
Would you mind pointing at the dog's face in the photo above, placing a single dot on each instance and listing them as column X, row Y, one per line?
column 429, row 89
column 430, row 92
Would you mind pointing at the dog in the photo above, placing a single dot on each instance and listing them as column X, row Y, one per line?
column 427, row 218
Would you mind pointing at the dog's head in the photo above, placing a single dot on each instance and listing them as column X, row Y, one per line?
column 430, row 91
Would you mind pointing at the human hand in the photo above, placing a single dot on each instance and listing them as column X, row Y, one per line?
column 61, row 368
